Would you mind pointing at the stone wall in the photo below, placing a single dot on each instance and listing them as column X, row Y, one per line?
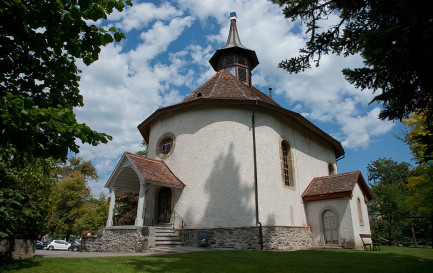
column 17, row 249
column 274, row 237
column 120, row 239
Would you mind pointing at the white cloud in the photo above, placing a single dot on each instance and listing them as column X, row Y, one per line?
column 141, row 14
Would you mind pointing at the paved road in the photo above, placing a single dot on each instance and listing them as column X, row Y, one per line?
column 155, row 251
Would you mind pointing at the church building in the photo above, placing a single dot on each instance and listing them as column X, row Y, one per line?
column 230, row 165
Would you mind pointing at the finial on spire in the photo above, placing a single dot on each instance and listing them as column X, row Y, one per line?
column 232, row 15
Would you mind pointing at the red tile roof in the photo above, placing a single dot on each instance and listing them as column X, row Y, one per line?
column 336, row 186
column 225, row 89
column 154, row 170
column 224, row 85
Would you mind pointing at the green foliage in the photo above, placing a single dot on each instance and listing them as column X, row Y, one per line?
column 388, row 171
column 126, row 208
column 144, row 151
column 389, row 179
column 400, row 191
column 40, row 43
column 24, row 195
column 93, row 214
column 421, row 186
column 420, row 136
column 70, row 194
column 393, row 37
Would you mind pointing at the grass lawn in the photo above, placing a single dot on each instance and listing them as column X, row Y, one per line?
column 389, row 259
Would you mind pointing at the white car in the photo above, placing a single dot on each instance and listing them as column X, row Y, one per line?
column 58, row 245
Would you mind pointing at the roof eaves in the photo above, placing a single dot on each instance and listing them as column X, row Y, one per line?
column 339, row 151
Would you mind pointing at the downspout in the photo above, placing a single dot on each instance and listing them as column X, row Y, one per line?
column 255, row 178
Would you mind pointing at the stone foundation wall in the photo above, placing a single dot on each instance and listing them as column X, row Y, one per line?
column 274, row 237
column 17, row 249
column 120, row 239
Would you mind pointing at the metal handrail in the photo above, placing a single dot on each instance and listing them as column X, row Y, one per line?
column 148, row 214
column 174, row 218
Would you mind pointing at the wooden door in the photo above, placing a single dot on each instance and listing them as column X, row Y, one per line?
column 330, row 227
column 164, row 205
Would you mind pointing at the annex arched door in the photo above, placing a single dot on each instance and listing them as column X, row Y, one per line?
column 330, row 227
column 164, row 205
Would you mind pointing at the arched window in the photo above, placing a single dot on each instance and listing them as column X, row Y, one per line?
column 361, row 219
column 286, row 164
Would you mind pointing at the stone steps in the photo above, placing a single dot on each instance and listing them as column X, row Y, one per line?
column 166, row 236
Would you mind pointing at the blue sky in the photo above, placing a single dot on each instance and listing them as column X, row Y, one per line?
column 165, row 57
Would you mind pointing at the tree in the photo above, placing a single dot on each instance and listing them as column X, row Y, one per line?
column 144, row 151
column 394, row 39
column 389, row 179
column 126, row 210
column 93, row 214
column 40, row 43
column 418, row 137
column 421, row 185
column 70, row 193
column 22, row 204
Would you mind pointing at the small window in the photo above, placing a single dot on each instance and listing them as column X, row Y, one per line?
column 286, row 164
column 242, row 74
column 166, row 145
column 229, row 60
column 231, row 69
column 331, row 168
column 241, row 60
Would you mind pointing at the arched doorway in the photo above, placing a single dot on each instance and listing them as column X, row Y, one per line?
column 330, row 227
column 164, row 205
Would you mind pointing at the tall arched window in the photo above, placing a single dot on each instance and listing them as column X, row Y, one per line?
column 286, row 164
column 361, row 220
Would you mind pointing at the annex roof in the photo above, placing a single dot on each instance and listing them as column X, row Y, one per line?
column 132, row 169
column 336, row 186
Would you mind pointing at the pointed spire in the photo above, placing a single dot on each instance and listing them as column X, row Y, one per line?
column 233, row 39
column 234, row 57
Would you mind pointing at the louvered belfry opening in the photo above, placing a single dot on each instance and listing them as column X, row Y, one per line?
column 234, row 57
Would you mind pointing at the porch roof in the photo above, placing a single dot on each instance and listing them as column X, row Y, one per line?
column 144, row 169
column 336, row 186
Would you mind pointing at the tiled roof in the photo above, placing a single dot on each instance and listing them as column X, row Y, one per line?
column 336, row 186
column 154, row 170
column 224, row 85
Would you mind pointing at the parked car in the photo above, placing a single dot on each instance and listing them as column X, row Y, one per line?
column 39, row 245
column 46, row 243
column 75, row 246
column 58, row 245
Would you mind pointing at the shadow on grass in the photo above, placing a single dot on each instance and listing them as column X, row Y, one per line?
column 16, row 265
column 323, row 261
column 302, row 261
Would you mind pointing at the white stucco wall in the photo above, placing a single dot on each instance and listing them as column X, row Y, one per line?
column 364, row 227
column 348, row 218
column 342, row 208
column 213, row 156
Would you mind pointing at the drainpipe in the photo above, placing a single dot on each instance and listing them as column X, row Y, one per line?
column 255, row 178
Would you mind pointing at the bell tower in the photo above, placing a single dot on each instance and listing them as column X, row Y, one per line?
column 234, row 57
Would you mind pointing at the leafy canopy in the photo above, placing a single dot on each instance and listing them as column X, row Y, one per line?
column 419, row 137
column 72, row 207
column 393, row 37
column 23, row 204
column 40, row 43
